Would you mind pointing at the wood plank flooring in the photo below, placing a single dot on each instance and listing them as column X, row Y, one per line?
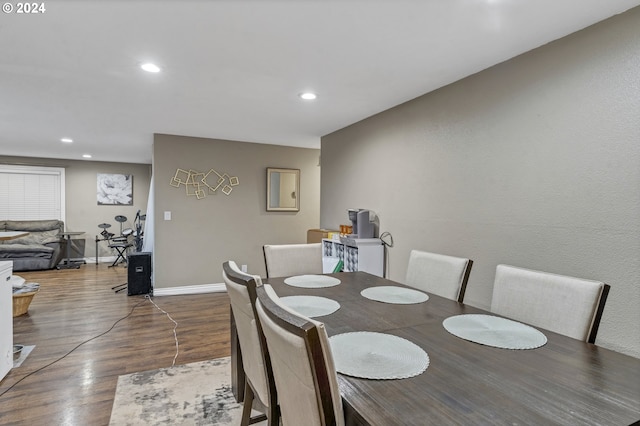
column 75, row 306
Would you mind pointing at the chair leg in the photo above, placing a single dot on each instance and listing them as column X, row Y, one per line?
column 248, row 406
column 248, row 402
column 273, row 416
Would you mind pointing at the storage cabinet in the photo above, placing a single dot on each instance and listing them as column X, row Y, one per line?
column 6, row 319
column 357, row 254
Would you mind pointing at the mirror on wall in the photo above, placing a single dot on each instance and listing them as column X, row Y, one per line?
column 283, row 190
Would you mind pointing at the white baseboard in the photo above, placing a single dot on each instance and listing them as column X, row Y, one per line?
column 101, row 259
column 171, row 291
column 190, row 289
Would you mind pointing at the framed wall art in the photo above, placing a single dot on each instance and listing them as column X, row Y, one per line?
column 115, row 189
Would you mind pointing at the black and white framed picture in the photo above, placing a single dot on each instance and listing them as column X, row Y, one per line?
column 115, row 189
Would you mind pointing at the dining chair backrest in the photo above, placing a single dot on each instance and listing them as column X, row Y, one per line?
column 439, row 274
column 285, row 260
column 241, row 288
column 302, row 362
column 559, row 303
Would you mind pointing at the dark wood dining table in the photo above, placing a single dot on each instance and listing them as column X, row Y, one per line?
column 564, row 382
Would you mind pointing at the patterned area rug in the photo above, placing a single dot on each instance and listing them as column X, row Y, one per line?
column 193, row 394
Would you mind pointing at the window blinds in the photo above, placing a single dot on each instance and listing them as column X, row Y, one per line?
column 31, row 193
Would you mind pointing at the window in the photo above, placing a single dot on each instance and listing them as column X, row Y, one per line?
column 31, row 193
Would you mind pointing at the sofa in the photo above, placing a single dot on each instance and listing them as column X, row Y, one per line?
column 42, row 248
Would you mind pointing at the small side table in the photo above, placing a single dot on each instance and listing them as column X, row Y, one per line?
column 67, row 263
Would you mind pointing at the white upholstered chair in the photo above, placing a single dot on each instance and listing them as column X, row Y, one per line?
column 562, row 304
column 439, row 274
column 259, row 383
column 285, row 260
column 302, row 363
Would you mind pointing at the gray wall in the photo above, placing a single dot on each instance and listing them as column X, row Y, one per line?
column 82, row 210
column 534, row 162
column 202, row 234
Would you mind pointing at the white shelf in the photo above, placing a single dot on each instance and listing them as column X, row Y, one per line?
column 6, row 319
column 357, row 254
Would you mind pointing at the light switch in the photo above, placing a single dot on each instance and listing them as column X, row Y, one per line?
column 167, row 215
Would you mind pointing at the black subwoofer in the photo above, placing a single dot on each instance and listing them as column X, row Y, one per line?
column 138, row 273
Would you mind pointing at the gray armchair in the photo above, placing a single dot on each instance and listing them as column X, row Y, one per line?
column 41, row 248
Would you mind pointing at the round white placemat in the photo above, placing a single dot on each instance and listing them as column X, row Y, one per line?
column 312, row 281
column 311, row 306
column 372, row 355
column 394, row 294
column 494, row 331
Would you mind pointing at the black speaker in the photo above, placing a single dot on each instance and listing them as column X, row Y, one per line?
column 139, row 273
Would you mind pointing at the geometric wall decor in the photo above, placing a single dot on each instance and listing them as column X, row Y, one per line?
column 199, row 184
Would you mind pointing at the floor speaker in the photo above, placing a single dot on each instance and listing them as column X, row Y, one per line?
column 138, row 273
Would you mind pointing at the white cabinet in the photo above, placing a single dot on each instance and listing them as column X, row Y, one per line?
column 357, row 254
column 6, row 319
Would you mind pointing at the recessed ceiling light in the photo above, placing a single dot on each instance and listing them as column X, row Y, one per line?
column 66, row 140
column 308, row 96
column 149, row 67
column 86, row 155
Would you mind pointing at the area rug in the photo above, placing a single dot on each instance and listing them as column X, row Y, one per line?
column 192, row 394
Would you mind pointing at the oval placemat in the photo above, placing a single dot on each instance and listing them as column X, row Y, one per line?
column 312, row 281
column 311, row 306
column 394, row 294
column 494, row 331
column 370, row 355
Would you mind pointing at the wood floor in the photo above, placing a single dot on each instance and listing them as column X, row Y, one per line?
column 74, row 306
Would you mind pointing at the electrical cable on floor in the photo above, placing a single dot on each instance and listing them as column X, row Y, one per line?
column 175, row 334
column 80, row 344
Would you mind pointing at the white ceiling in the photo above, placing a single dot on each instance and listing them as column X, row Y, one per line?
column 233, row 69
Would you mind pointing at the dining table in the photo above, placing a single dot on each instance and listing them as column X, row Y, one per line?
column 564, row 381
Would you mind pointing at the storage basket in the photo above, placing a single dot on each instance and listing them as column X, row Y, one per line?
column 21, row 303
